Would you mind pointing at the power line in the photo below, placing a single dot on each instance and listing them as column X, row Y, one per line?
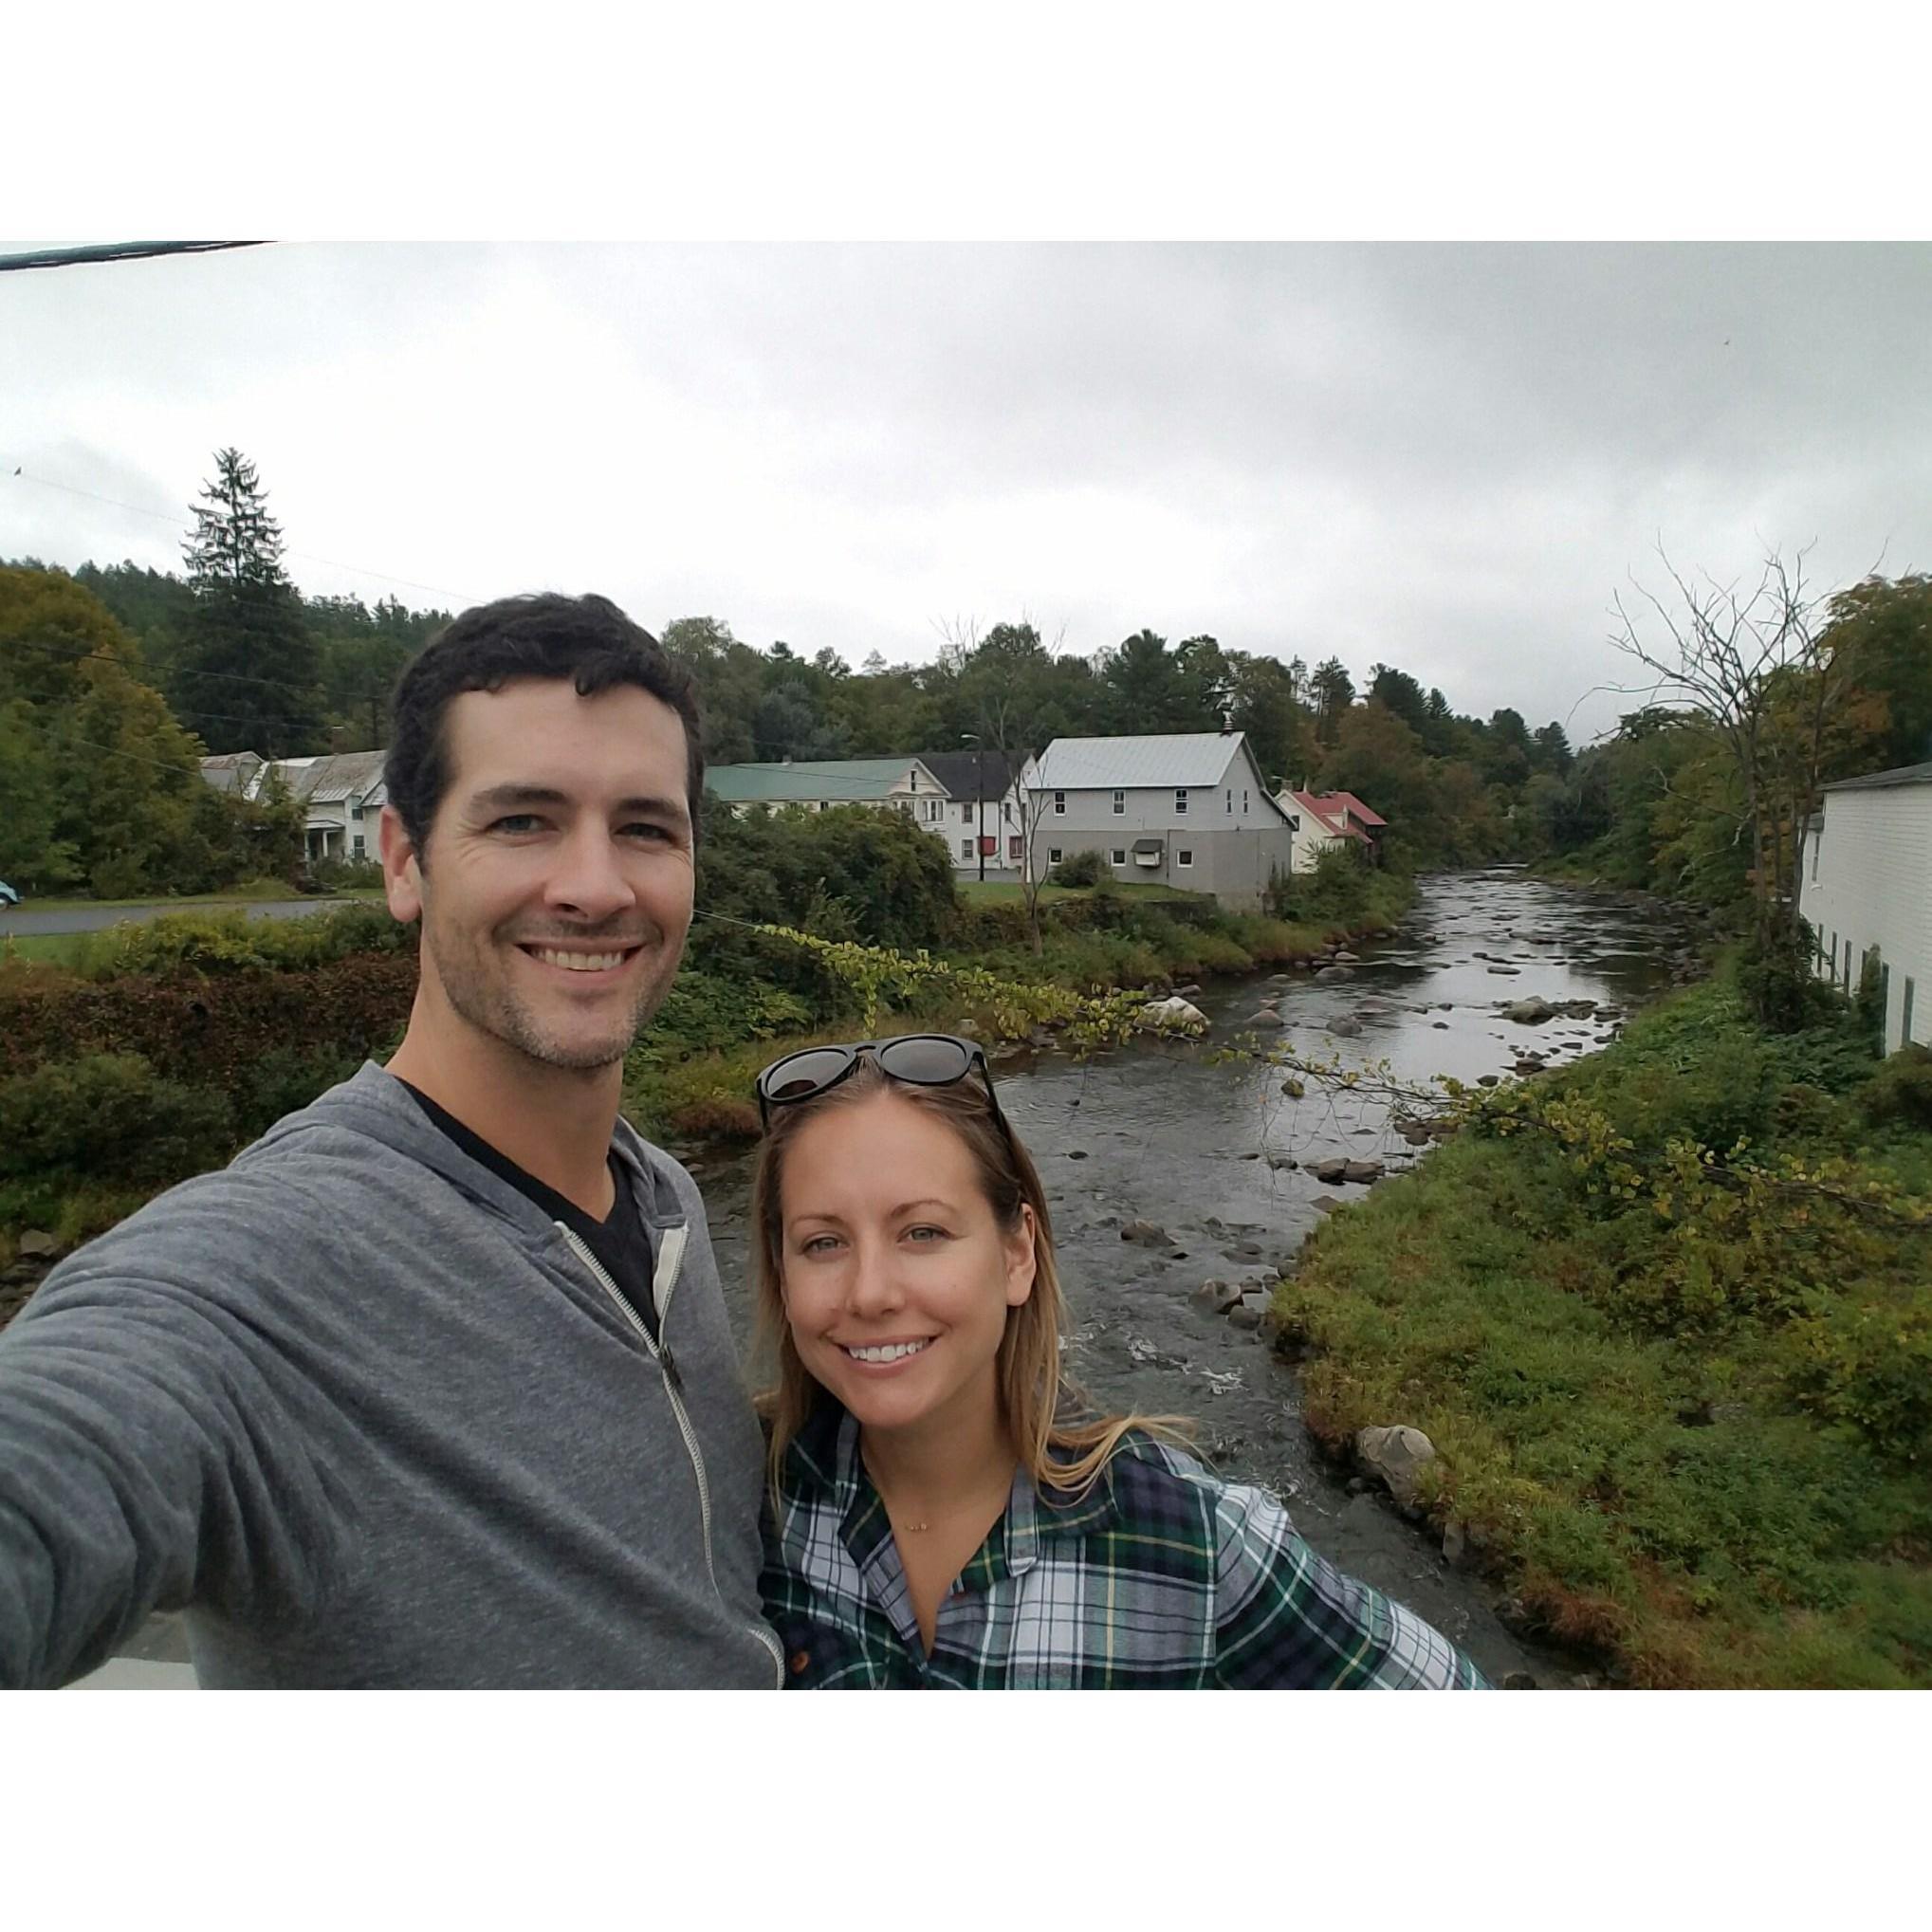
column 114, row 252
column 135, row 510
column 60, row 656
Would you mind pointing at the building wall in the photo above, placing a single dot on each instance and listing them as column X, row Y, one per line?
column 1871, row 852
column 1232, row 854
column 961, row 827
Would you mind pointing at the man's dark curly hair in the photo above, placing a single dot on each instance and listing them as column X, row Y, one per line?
column 587, row 639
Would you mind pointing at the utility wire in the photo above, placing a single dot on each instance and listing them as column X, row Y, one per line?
column 114, row 252
column 165, row 516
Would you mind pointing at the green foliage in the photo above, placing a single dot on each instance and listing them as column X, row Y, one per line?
column 1900, row 1091
column 347, row 875
column 1865, row 1363
column 234, row 942
column 1086, row 868
column 1682, row 1388
column 245, row 672
column 100, row 788
column 1342, row 890
column 1777, row 978
column 110, row 1117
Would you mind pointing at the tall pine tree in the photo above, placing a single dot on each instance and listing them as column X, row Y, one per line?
column 247, row 675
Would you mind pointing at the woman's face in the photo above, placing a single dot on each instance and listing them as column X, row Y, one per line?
column 897, row 1277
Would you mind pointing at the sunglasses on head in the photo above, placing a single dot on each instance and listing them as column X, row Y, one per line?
column 917, row 1059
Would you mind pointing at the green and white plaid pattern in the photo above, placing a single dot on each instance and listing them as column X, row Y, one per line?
column 1160, row 1577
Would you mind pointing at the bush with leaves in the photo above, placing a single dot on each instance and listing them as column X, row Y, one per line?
column 1086, row 868
column 110, row 1117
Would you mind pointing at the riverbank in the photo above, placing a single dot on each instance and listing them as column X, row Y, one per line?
column 1682, row 1401
column 687, row 1098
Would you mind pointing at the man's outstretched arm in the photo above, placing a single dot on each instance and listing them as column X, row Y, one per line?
column 146, row 1461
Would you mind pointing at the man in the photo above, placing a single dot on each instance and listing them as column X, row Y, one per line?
column 432, row 1384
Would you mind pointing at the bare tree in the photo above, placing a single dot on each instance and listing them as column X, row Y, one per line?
column 1769, row 686
column 1003, row 733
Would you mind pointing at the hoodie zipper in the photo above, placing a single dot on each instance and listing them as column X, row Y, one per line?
column 669, row 1258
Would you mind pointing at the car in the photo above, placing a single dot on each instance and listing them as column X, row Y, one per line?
column 8, row 895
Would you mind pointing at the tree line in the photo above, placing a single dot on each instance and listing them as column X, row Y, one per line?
column 241, row 660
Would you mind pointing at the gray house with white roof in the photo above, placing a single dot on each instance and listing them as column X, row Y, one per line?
column 1188, row 809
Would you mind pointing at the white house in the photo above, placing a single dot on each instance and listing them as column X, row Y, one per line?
column 1328, row 821
column 895, row 784
column 341, row 794
column 1188, row 809
column 1864, row 885
column 982, row 816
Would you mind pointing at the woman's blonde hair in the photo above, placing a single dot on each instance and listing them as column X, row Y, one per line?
column 1060, row 1447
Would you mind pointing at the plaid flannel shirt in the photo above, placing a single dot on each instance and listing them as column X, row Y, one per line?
column 1161, row 1576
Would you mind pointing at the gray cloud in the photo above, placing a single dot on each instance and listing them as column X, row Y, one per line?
column 1443, row 458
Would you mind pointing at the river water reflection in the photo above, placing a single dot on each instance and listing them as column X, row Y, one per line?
column 1164, row 1132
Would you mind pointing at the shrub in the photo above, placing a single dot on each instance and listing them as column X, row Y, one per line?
column 1901, row 1090
column 347, row 875
column 231, row 942
column 109, row 1117
column 1868, row 1367
column 1080, row 869
column 1778, row 985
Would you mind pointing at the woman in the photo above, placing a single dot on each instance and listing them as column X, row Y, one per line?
column 942, row 1513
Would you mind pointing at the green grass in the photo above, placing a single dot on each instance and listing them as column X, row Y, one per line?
column 249, row 893
column 44, row 949
column 1010, row 893
column 1703, row 1448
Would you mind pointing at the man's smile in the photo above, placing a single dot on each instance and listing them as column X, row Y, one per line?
column 576, row 960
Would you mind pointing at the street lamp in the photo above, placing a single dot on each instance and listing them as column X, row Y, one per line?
column 972, row 738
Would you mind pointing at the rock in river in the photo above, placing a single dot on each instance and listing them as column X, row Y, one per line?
column 1396, row 1454
column 1530, row 1012
column 1172, row 1015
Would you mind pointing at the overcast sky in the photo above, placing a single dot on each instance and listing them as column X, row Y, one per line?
column 1446, row 457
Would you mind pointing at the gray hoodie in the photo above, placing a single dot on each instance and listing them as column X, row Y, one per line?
column 368, row 1415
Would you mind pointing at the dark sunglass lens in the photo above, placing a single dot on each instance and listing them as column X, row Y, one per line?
column 803, row 1074
column 926, row 1063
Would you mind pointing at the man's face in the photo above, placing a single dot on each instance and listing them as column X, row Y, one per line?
column 557, row 892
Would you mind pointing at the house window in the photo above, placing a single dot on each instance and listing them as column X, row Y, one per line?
column 966, row 848
column 1060, row 801
column 965, row 811
column 1006, row 810
column 1013, row 848
column 1052, row 855
column 359, row 841
column 1120, row 855
column 355, row 808
column 823, row 806
column 1180, row 798
column 1905, row 1019
column 1183, row 854
column 1229, row 801
column 1119, row 803
column 1244, row 799
column 1817, row 846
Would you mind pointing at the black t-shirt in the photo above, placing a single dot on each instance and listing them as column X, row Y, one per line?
column 621, row 1244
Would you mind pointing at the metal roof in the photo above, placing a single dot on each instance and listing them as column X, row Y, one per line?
column 332, row 777
column 841, row 781
column 1877, row 781
column 1175, row 758
column 960, row 772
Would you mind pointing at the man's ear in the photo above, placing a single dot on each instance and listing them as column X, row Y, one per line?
column 402, row 882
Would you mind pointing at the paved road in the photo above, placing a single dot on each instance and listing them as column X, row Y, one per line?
column 24, row 921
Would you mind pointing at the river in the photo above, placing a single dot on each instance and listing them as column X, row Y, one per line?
column 1162, row 1131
